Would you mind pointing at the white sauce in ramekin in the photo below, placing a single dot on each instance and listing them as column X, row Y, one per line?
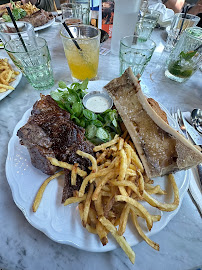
column 97, row 104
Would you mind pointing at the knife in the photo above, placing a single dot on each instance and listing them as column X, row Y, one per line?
column 195, row 136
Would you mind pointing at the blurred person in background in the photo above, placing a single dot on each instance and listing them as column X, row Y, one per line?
column 193, row 6
column 195, row 9
column 175, row 5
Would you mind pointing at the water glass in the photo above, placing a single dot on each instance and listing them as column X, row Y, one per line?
column 146, row 24
column 33, row 61
column 85, row 4
column 135, row 53
column 178, row 25
column 83, row 62
column 71, row 13
column 185, row 58
column 8, row 31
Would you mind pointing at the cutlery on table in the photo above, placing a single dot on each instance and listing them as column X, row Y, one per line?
column 181, row 123
column 177, row 115
column 192, row 132
column 196, row 118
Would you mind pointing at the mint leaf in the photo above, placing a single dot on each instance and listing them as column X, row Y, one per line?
column 187, row 56
column 89, row 115
column 56, row 95
column 102, row 134
column 84, row 85
column 77, row 108
column 91, row 131
column 97, row 123
column 62, row 84
column 6, row 18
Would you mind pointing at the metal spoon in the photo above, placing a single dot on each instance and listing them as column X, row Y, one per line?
column 196, row 118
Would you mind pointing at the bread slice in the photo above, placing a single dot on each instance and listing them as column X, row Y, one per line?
column 161, row 148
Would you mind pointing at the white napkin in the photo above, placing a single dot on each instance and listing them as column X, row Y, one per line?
column 166, row 13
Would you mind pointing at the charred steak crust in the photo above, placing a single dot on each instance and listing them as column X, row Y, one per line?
column 68, row 190
column 50, row 132
column 38, row 18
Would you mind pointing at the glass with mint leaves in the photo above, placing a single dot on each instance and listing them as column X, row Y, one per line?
column 185, row 58
column 99, row 127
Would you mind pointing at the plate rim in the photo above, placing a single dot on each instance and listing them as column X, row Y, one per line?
column 69, row 242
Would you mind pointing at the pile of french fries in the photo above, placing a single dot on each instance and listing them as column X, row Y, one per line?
column 7, row 75
column 115, row 188
column 28, row 7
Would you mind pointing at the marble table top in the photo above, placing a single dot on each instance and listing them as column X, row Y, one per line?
column 24, row 247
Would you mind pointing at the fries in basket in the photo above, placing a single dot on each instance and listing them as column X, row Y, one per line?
column 116, row 186
column 7, row 75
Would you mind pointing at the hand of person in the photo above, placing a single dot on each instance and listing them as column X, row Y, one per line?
column 196, row 9
column 4, row 6
column 175, row 5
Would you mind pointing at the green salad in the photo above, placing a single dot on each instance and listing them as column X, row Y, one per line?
column 18, row 13
column 99, row 127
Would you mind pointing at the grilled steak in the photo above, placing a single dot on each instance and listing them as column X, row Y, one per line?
column 49, row 132
column 68, row 188
column 38, row 18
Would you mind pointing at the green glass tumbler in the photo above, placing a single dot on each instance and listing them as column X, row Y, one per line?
column 185, row 58
column 135, row 53
column 33, row 60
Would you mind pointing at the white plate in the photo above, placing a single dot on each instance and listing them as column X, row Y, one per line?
column 49, row 23
column 62, row 223
column 14, row 83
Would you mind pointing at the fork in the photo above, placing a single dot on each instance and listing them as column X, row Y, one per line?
column 177, row 115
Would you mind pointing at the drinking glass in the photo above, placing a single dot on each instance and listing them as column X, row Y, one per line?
column 83, row 62
column 85, row 4
column 178, row 25
column 71, row 13
column 146, row 24
column 186, row 56
column 135, row 53
column 8, row 31
column 33, row 61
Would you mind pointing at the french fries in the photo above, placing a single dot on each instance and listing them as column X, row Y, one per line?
column 75, row 200
column 90, row 157
column 42, row 189
column 120, row 239
column 74, row 174
column 141, row 233
column 65, row 165
column 28, row 7
column 87, row 205
column 7, row 75
column 107, row 144
column 117, row 186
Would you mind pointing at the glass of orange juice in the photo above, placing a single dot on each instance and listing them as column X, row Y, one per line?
column 83, row 62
